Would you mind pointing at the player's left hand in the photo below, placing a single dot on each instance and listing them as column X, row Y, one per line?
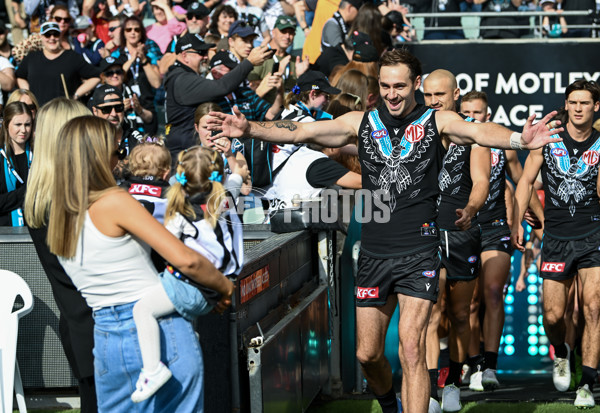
column 536, row 135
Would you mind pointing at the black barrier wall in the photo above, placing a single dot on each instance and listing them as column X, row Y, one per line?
column 519, row 78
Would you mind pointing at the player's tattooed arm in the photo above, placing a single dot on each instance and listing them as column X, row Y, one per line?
column 281, row 124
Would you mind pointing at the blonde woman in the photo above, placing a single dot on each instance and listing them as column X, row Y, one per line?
column 76, row 324
column 25, row 96
column 102, row 253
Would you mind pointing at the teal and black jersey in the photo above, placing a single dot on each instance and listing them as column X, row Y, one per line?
column 400, row 159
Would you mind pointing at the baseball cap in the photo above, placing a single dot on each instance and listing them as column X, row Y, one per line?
column 547, row 1
column 355, row 3
column 223, row 58
column 365, row 52
column 241, row 28
column 82, row 22
column 314, row 80
column 49, row 27
column 100, row 93
column 285, row 22
column 192, row 42
column 197, row 9
column 357, row 37
column 111, row 61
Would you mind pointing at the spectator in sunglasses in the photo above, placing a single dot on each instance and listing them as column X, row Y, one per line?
column 114, row 75
column 53, row 71
column 28, row 98
column 166, row 25
column 60, row 14
column 141, row 68
column 196, row 22
column 115, row 25
column 186, row 88
column 108, row 104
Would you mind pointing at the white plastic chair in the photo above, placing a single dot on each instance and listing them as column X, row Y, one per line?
column 11, row 286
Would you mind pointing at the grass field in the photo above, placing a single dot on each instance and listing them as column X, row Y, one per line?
column 371, row 406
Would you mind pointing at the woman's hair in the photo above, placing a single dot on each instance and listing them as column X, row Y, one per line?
column 82, row 174
column 60, row 7
column 194, row 168
column 10, row 111
column 50, row 118
column 18, row 93
column 354, row 82
column 136, row 19
column 366, row 68
column 149, row 159
column 291, row 98
column 369, row 21
column 204, row 109
column 214, row 19
column 344, row 103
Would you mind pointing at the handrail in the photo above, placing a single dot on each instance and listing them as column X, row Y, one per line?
column 503, row 13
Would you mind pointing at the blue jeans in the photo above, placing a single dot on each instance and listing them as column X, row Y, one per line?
column 117, row 364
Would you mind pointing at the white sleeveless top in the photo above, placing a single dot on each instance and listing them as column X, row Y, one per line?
column 109, row 271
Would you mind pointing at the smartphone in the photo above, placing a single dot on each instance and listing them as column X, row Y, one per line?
column 215, row 132
column 275, row 67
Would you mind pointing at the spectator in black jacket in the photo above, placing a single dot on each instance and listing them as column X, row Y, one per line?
column 186, row 88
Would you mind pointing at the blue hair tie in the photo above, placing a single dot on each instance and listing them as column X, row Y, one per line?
column 296, row 90
column 180, row 177
column 215, row 176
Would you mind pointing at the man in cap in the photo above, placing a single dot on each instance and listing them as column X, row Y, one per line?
column 289, row 68
column 108, row 104
column 186, row 88
column 196, row 22
column 85, row 41
column 241, row 37
column 113, row 74
column 43, row 71
column 338, row 27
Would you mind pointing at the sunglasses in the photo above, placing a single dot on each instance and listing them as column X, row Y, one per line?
column 112, row 29
column 32, row 107
column 48, row 35
column 59, row 19
column 201, row 53
column 108, row 109
column 110, row 73
column 2, row 31
column 192, row 16
column 133, row 29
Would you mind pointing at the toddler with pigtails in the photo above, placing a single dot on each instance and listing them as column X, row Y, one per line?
column 202, row 213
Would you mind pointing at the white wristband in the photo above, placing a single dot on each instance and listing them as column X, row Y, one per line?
column 515, row 141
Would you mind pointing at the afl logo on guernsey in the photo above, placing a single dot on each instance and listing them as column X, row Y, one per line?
column 495, row 158
column 429, row 274
column 414, row 133
column 590, row 157
column 558, row 152
column 378, row 134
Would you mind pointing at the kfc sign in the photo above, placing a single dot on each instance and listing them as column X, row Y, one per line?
column 553, row 267
column 367, row 292
column 143, row 189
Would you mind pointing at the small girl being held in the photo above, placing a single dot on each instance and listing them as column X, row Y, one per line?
column 202, row 214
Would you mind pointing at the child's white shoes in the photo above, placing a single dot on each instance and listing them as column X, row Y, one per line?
column 149, row 383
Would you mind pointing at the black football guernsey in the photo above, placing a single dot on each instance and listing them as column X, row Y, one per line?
column 570, row 175
column 455, row 185
column 493, row 213
column 400, row 159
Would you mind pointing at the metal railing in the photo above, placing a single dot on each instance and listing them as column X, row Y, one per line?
column 531, row 15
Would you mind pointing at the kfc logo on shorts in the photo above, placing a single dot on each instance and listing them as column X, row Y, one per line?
column 429, row 274
column 590, row 158
column 553, row 266
column 378, row 134
column 472, row 259
column 495, row 158
column 558, row 152
column 367, row 292
column 414, row 133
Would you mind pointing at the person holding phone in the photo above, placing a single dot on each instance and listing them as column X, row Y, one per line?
column 286, row 66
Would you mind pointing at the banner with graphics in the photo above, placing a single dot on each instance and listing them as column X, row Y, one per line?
column 519, row 78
